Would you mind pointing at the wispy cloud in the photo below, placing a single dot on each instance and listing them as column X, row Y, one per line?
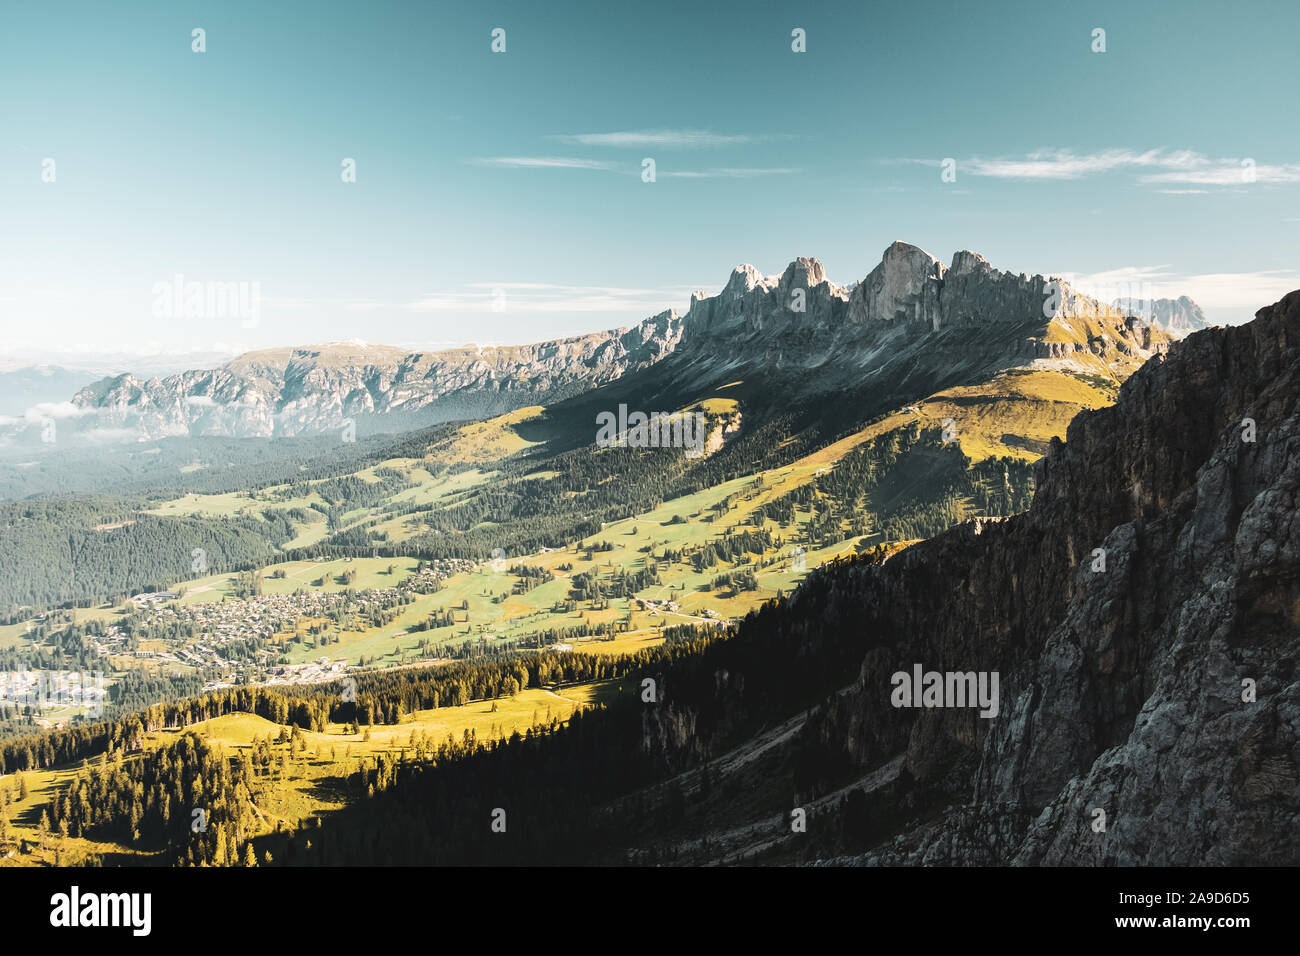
column 1183, row 167
column 42, row 411
column 727, row 172
column 657, row 138
column 544, row 162
column 1057, row 164
column 1229, row 172
column 558, row 162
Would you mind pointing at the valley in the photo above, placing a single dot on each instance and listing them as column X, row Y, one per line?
column 278, row 621
column 841, row 442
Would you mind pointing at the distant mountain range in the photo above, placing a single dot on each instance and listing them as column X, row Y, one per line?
column 292, row 391
column 25, row 387
column 27, row 381
column 26, row 384
column 910, row 327
column 1179, row 317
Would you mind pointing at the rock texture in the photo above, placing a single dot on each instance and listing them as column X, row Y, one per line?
column 1126, row 690
column 910, row 328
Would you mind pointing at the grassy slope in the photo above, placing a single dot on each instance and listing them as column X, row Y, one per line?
column 314, row 784
column 1013, row 415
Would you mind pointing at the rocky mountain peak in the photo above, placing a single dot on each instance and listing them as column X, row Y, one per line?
column 966, row 262
column 905, row 285
column 905, row 251
column 743, row 278
column 803, row 272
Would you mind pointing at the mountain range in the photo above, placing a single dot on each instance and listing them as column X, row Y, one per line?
column 910, row 327
column 939, row 468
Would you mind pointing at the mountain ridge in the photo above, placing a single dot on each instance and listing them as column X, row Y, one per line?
column 783, row 325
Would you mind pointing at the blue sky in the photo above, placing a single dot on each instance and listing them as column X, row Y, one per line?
column 518, row 174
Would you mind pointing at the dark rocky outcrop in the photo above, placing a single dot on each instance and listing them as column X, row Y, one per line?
column 1120, row 690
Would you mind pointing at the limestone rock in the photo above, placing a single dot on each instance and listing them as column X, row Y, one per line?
column 1160, row 689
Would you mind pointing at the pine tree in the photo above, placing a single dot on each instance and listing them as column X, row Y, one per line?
column 221, row 853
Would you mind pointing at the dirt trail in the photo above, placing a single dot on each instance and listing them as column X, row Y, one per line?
column 576, row 703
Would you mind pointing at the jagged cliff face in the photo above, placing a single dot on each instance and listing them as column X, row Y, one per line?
column 1121, row 689
column 911, row 327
